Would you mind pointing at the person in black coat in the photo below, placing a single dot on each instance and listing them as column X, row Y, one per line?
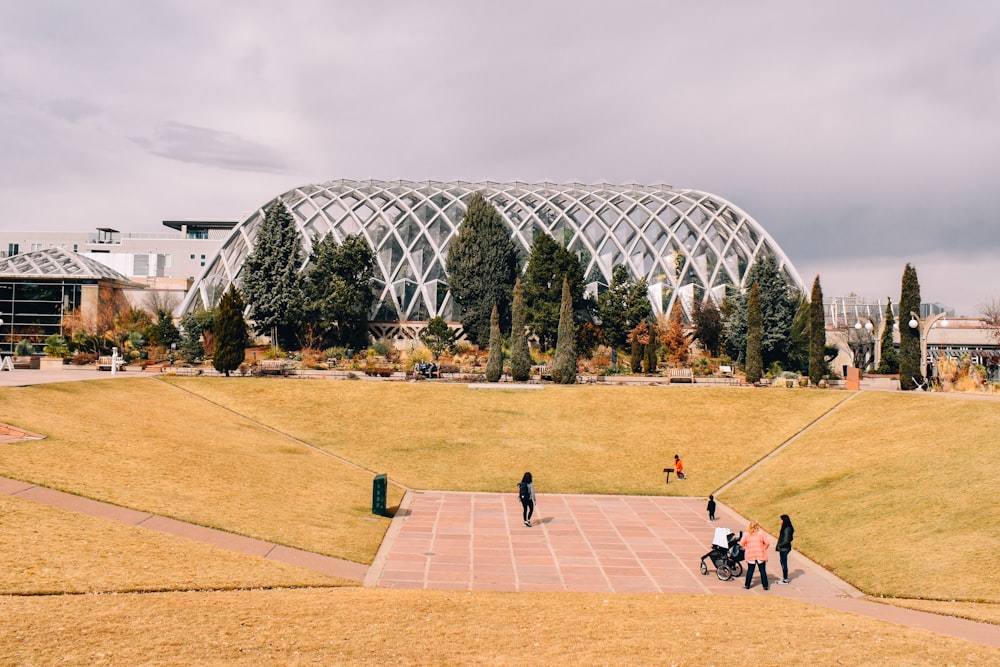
column 784, row 545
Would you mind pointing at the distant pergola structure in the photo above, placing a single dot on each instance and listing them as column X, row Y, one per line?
column 688, row 245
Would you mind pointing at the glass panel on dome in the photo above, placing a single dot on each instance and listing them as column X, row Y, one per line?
column 696, row 216
column 438, row 232
column 363, row 212
column 579, row 215
column 594, row 231
column 624, row 233
column 638, row 215
column 408, row 230
column 335, row 211
column 608, row 215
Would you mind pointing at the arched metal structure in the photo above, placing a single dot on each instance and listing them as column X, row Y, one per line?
column 687, row 244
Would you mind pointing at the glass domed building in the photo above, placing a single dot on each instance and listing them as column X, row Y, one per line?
column 689, row 245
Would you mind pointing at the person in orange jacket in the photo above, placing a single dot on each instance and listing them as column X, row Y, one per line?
column 679, row 467
column 755, row 544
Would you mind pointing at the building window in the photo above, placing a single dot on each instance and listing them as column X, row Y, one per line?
column 11, row 249
column 192, row 256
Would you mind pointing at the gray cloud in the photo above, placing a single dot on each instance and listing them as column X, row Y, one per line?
column 213, row 148
column 850, row 130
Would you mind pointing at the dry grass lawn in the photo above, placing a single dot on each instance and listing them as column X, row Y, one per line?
column 49, row 550
column 893, row 493
column 579, row 439
column 338, row 626
column 896, row 494
column 145, row 445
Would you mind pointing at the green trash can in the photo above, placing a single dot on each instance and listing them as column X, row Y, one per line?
column 380, row 487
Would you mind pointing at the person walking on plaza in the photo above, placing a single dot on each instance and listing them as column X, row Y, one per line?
column 784, row 545
column 711, row 508
column 755, row 544
column 679, row 467
column 526, row 494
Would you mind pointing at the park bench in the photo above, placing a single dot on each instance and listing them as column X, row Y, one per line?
column 680, row 375
column 104, row 363
column 271, row 367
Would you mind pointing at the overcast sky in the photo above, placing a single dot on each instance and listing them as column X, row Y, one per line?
column 861, row 135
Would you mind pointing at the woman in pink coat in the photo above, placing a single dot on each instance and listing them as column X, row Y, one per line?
column 756, row 543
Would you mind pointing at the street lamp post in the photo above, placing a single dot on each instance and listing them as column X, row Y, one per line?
column 863, row 344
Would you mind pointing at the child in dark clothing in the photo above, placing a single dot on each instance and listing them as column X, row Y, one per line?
column 711, row 508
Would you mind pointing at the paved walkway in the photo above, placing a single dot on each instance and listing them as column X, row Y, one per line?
column 614, row 544
column 619, row 544
column 22, row 377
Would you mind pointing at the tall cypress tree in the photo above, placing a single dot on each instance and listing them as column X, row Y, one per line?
column 494, row 363
column 755, row 362
column 482, row 267
column 564, row 363
column 888, row 361
column 230, row 333
column 270, row 275
column 817, row 334
column 910, row 371
column 520, row 356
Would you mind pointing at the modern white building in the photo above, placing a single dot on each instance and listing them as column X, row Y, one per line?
column 166, row 261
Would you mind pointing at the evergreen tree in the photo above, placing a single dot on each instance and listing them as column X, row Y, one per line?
column 494, row 363
column 230, row 332
column 520, row 356
column 754, row 357
column 778, row 299
column 438, row 336
column 193, row 327
column 798, row 338
column 270, row 275
column 548, row 265
column 482, row 267
column 163, row 332
column 817, row 335
column 910, row 372
column 888, row 359
column 339, row 291
column 622, row 306
column 707, row 326
column 564, row 363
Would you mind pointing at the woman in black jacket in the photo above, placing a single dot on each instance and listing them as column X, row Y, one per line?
column 784, row 545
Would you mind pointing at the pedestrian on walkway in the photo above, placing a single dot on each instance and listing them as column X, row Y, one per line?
column 679, row 467
column 711, row 508
column 784, row 546
column 526, row 494
column 755, row 545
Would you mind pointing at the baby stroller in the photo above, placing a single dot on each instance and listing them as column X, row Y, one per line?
column 726, row 555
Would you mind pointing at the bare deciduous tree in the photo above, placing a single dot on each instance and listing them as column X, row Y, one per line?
column 990, row 311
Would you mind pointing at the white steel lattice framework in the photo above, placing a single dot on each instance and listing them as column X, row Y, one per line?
column 687, row 244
